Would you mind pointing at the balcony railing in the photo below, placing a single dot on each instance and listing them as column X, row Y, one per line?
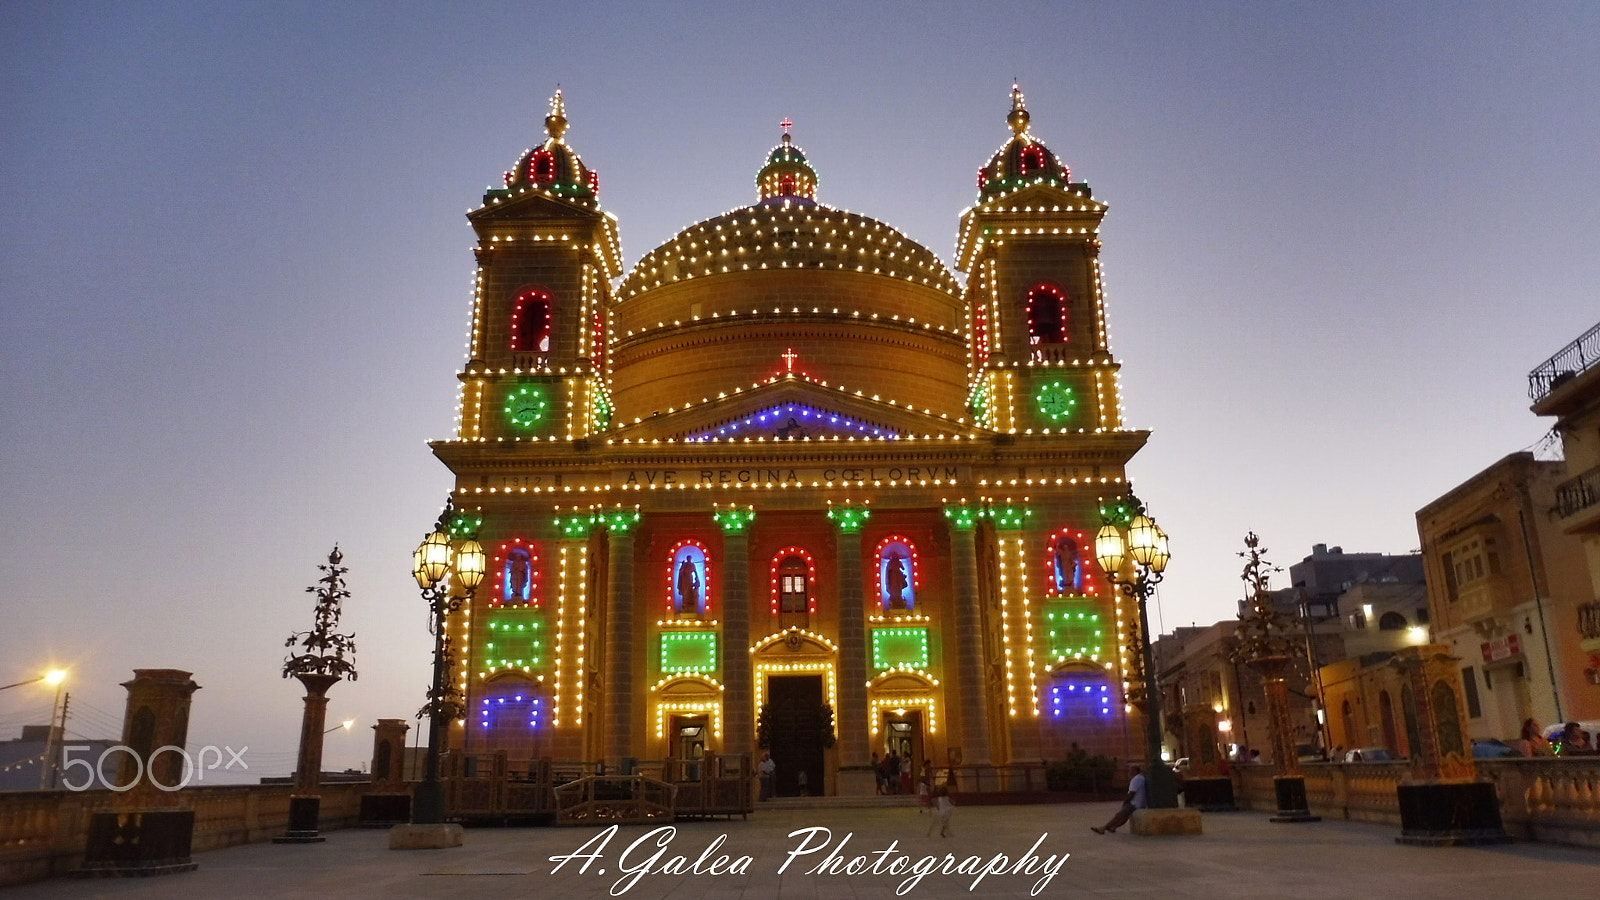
column 1575, row 495
column 1571, row 361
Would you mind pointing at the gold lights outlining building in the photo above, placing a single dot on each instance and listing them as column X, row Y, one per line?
column 787, row 479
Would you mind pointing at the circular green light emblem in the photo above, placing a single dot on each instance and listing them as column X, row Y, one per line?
column 1055, row 400
column 525, row 406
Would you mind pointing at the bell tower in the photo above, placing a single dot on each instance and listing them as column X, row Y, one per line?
column 547, row 254
column 1040, row 358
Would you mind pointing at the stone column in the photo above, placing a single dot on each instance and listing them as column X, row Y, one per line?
column 969, row 636
column 855, row 765
column 308, row 770
column 738, row 728
column 619, row 686
column 389, row 755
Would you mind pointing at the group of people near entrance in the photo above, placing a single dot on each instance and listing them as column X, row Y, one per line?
column 894, row 773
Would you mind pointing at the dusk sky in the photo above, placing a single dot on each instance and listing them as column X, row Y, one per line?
column 235, row 274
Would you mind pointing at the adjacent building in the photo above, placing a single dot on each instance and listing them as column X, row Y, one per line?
column 787, row 483
column 1567, row 386
column 1506, row 584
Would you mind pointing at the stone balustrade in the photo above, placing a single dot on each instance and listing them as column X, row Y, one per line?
column 1546, row 800
column 43, row 833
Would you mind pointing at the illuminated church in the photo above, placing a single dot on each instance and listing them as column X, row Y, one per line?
column 787, row 484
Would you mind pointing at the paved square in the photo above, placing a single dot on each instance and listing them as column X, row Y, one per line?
column 1241, row 855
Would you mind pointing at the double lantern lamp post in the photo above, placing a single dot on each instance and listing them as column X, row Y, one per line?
column 438, row 562
column 1145, row 544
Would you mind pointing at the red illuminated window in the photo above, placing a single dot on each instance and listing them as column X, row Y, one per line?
column 1047, row 316
column 530, row 322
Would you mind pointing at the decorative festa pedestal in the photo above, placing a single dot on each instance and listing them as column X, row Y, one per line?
column 138, row 842
column 304, row 814
column 1209, row 794
column 1292, row 805
column 1450, row 814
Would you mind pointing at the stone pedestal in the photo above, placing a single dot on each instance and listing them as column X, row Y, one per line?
column 1158, row 822
column 1292, row 804
column 304, row 813
column 138, row 842
column 426, row 837
column 857, row 781
column 1450, row 814
column 1213, row 794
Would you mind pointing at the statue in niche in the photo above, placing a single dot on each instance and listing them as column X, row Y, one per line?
column 519, row 579
column 895, row 580
column 793, row 429
column 688, row 586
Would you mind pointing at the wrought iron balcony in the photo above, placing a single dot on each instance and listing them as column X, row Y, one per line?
column 1575, row 495
column 1571, row 361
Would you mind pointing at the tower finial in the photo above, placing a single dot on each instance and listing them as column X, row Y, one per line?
column 556, row 122
column 1018, row 117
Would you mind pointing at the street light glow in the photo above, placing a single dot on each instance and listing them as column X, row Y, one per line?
column 55, row 676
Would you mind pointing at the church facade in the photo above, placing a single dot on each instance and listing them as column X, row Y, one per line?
column 787, row 484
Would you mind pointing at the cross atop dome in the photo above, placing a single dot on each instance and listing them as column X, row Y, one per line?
column 787, row 176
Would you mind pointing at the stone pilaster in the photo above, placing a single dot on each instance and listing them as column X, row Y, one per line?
column 738, row 728
column 969, row 635
column 619, row 682
column 571, row 650
column 855, row 775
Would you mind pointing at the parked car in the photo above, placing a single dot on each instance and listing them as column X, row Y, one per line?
column 1368, row 754
column 1493, row 749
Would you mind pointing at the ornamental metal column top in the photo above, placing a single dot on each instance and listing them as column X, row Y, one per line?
column 1267, row 640
column 323, row 650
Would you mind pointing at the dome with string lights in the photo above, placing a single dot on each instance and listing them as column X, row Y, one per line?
column 1023, row 160
column 552, row 167
column 808, row 273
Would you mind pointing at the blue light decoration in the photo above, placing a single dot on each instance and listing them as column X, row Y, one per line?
column 515, row 705
column 516, row 582
column 687, row 583
column 1067, row 557
column 1078, row 697
column 897, row 575
column 793, row 420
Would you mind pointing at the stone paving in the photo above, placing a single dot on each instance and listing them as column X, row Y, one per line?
column 1240, row 856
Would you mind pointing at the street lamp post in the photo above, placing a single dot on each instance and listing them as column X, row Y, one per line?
column 47, row 769
column 436, row 560
column 1143, row 544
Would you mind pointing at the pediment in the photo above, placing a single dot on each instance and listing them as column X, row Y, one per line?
column 1036, row 195
column 533, row 205
column 788, row 409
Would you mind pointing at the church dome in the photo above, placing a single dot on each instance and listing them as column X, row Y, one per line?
column 1023, row 160
column 553, row 167
column 716, row 308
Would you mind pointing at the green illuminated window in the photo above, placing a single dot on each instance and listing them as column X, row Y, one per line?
column 1075, row 631
column 513, row 642
column 904, row 648
column 688, row 652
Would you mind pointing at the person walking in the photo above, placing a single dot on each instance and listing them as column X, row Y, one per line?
column 1136, row 799
column 943, row 808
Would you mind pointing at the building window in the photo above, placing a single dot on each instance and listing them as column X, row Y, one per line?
column 1391, row 621
column 542, row 167
column 1047, row 316
column 1469, row 684
column 1033, row 159
column 1068, row 568
column 530, row 322
column 898, row 578
column 794, row 577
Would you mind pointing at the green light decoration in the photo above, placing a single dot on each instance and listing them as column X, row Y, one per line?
column 979, row 404
column 1119, row 511
column 526, row 405
column 1008, row 517
column 849, row 518
column 1075, row 632
column 575, row 526
column 513, row 644
column 688, row 652
column 733, row 519
column 602, row 410
column 963, row 518
column 465, row 525
column 1055, row 400
column 899, row 648
column 618, row 521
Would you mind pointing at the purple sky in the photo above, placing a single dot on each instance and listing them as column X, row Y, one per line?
column 235, row 274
